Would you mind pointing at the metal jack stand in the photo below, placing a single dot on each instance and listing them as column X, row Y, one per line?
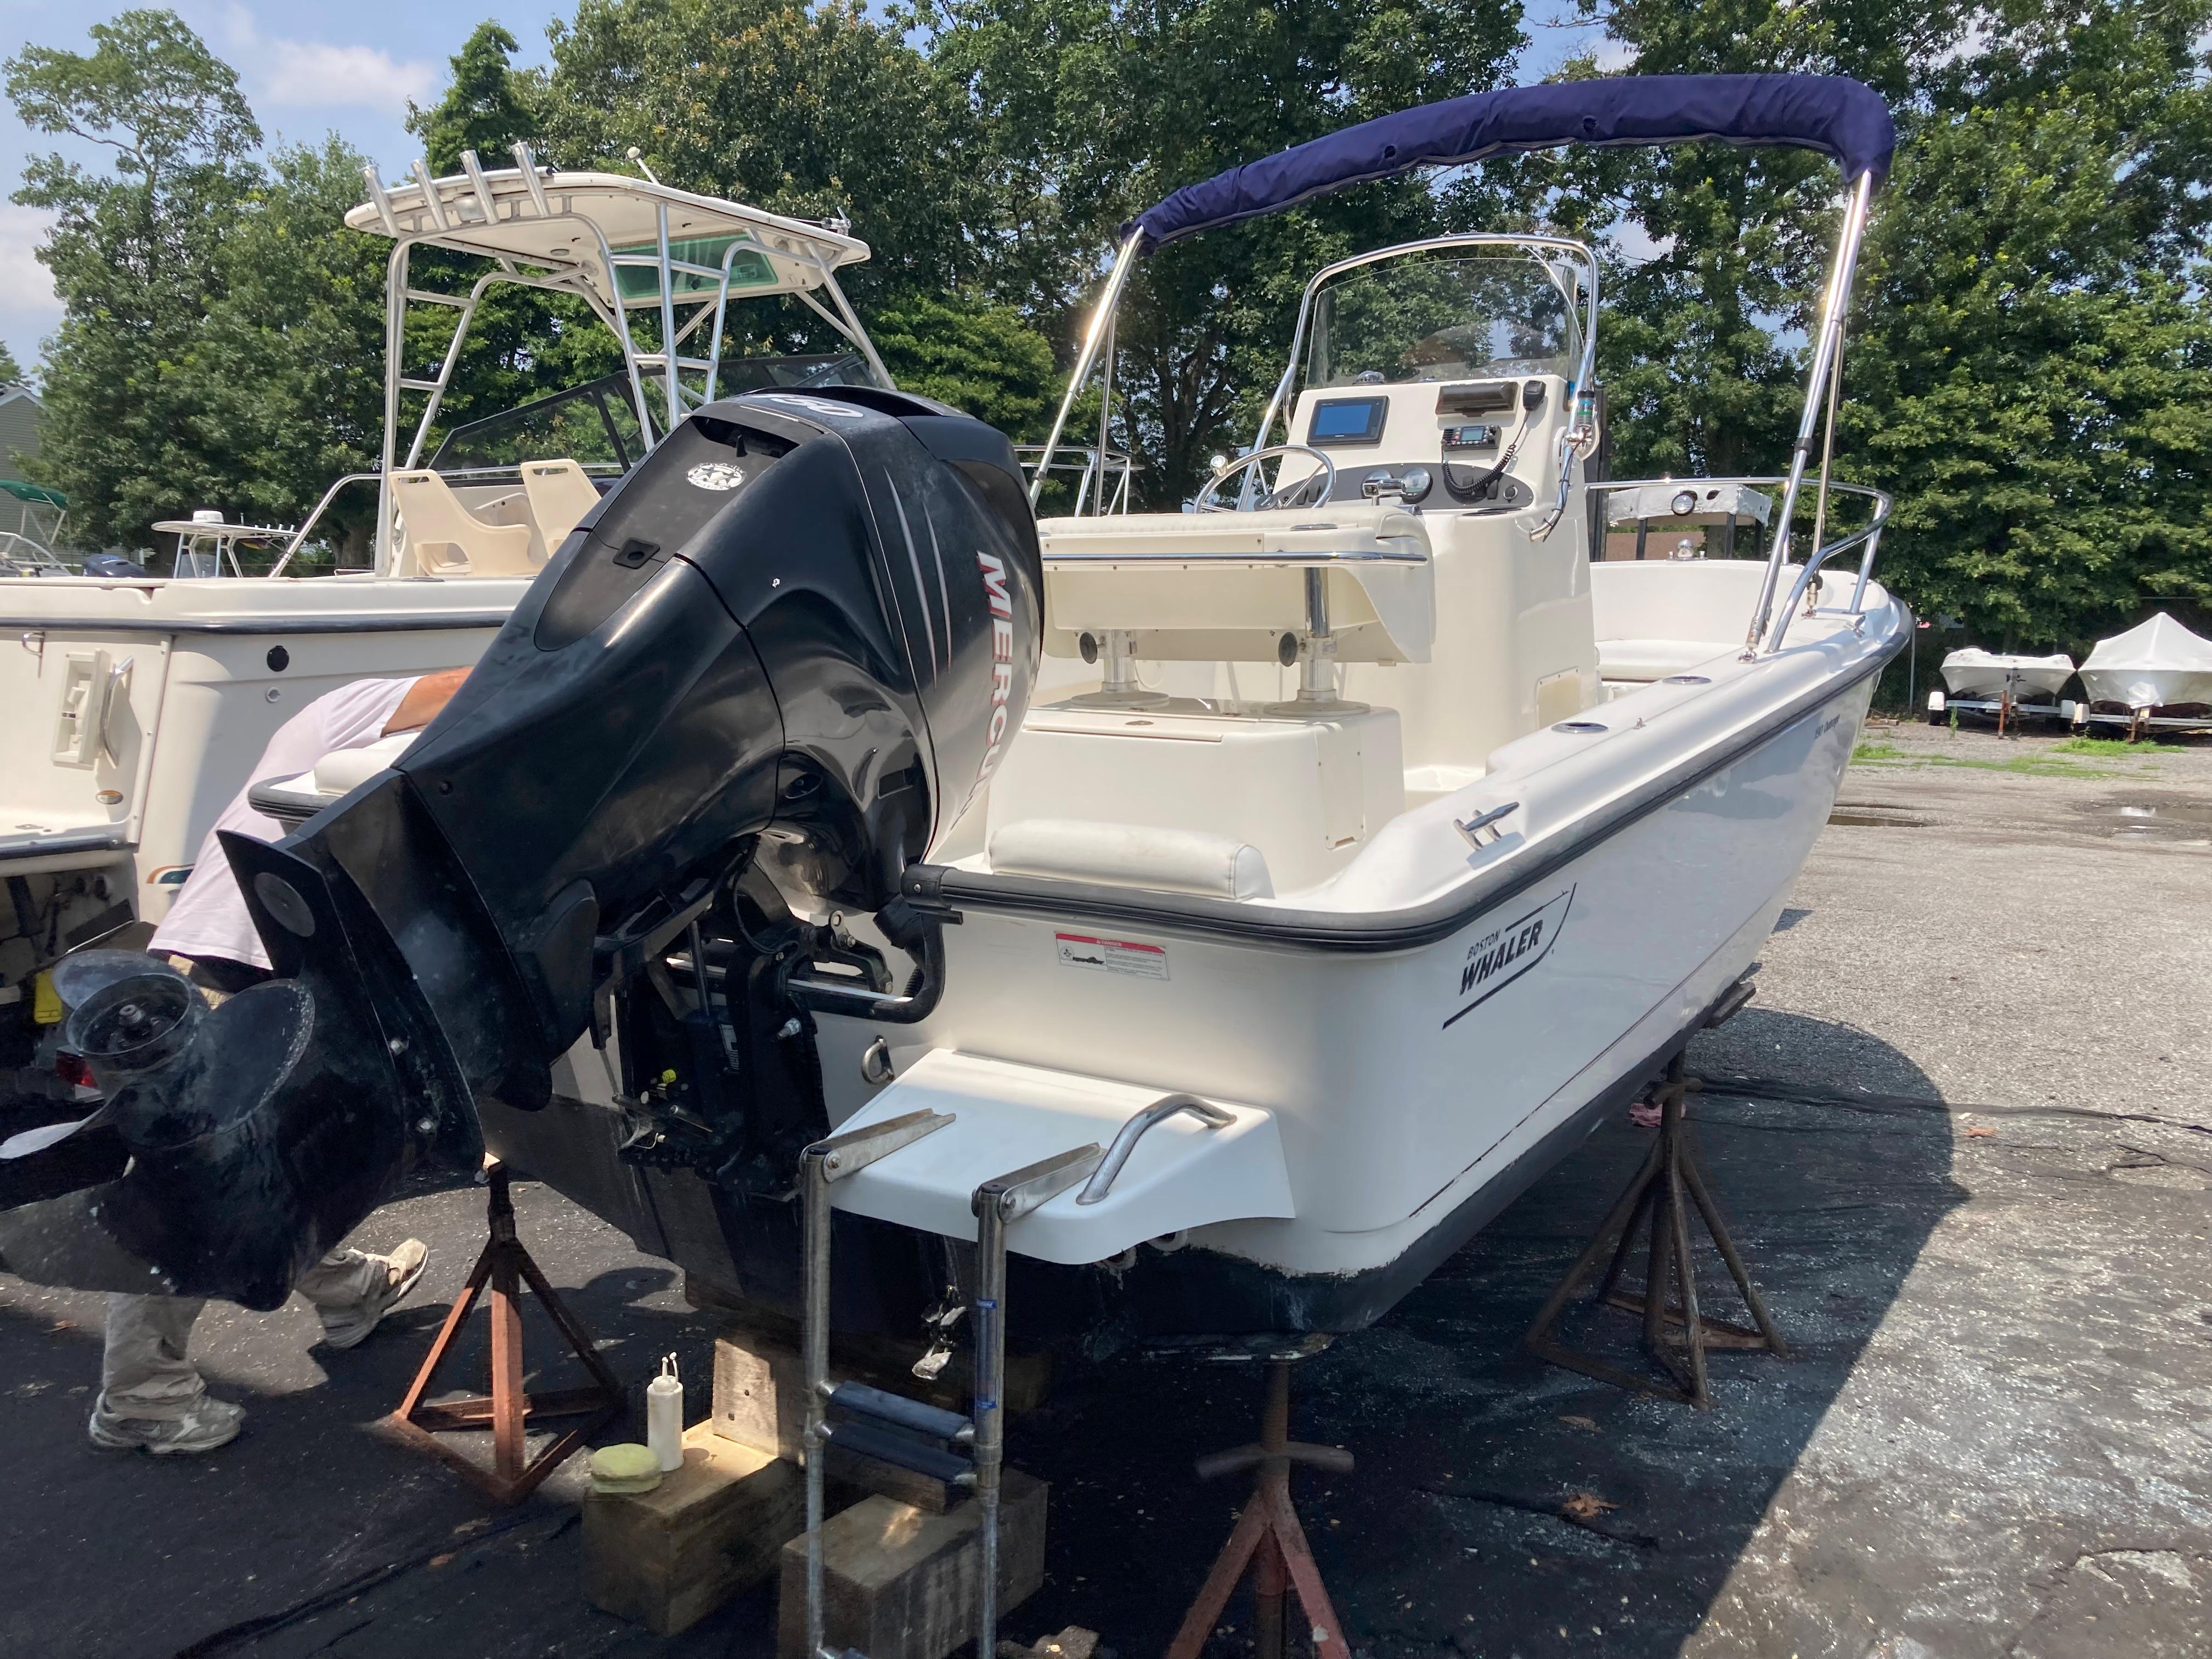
column 509, row 1410
column 1657, row 1193
column 1267, row 1538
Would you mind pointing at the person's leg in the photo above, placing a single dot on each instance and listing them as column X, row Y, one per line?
column 150, row 1394
column 353, row 1291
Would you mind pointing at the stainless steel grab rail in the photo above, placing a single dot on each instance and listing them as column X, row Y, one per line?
column 1124, row 1140
column 1868, row 535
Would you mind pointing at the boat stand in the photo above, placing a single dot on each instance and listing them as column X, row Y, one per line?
column 1656, row 1197
column 509, row 1410
column 1267, row 1539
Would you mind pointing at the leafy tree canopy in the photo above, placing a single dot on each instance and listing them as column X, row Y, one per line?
column 10, row 372
column 135, row 254
column 1091, row 110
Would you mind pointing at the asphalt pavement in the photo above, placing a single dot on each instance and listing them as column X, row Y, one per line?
column 1963, row 1134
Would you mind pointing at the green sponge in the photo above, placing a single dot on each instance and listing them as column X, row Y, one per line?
column 627, row 1467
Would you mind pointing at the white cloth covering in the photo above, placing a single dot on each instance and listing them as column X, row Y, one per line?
column 210, row 918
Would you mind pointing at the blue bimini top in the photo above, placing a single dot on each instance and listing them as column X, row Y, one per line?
column 1831, row 113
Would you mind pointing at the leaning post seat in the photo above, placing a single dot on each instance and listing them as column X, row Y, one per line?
column 1128, row 786
column 1228, row 587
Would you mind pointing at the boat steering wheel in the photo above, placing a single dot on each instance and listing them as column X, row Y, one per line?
column 1298, row 495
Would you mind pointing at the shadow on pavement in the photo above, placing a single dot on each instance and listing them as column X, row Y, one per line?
column 1451, row 1535
column 312, row 1536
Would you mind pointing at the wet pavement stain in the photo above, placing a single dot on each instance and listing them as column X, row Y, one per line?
column 2185, row 820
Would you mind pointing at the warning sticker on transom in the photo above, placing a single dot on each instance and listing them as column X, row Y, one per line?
column 1112, row 956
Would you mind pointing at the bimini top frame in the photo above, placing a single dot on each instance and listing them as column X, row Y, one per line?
column 620, row 245
column 1832, row 115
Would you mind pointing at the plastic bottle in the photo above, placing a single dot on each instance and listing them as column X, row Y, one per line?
column 664, row 1415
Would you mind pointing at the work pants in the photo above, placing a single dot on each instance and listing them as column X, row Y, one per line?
column 144, row 1372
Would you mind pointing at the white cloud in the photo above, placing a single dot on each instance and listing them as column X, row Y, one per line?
column 29, row 308
column 1614, row 57
column 283, row 74
column 310, row 74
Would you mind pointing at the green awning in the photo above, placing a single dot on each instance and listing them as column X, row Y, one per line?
column 31, row 492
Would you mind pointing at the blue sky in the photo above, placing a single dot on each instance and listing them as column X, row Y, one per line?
column 312, row 66
column 308, row 67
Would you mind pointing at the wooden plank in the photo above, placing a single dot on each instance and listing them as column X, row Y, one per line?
column 900, row 1583
column 667, row 1557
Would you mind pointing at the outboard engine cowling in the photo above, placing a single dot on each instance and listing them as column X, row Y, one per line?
column 777, row 662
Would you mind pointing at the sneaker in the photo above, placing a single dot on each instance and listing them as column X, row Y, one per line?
column 348, row 1327
column 210, row 1423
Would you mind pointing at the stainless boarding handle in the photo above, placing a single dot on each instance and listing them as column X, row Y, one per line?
column 1472, row 827
column 998, row 1204
column 1125, row 1141
column 824, row 1162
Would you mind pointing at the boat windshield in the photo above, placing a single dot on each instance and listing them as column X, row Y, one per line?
column 1450, row 318
column 595, row 424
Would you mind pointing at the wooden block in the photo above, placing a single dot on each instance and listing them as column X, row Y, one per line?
column 885, row 1362
column 760, row 1395
column 668, row 1557
column 759, row 1391
column 899, row 1583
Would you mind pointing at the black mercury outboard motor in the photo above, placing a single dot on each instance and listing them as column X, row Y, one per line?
column 777, row 661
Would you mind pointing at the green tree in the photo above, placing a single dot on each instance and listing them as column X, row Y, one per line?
column 2035, row 371
column 1716, row 254
column 1091, row 110
column 523, row 343
column 11, row 373
column 279, row 392
column 816, row 112
column 136, row 254
column 979, row 357
column 488, row 106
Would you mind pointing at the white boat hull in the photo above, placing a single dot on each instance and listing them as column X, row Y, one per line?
column 1983, row 675
column 1413, row 1088
column 188, row 680
column 2159, row 665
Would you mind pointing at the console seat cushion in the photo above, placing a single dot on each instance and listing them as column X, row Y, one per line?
column 1131, row 856
column 1655, row 660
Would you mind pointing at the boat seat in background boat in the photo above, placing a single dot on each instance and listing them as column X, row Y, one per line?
column 444, row 539
column 1133, row 855
column 560, row 494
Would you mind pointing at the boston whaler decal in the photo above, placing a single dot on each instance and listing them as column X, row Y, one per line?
column 1497, row 959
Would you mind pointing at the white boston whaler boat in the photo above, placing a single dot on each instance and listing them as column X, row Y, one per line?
column 144, row 703
column 1354, row 850
column 1346, row 842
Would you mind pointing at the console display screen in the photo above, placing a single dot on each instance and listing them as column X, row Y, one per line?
column 1350, row 420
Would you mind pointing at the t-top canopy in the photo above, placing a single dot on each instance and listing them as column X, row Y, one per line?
column 540, row 217
column 1833, row 114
